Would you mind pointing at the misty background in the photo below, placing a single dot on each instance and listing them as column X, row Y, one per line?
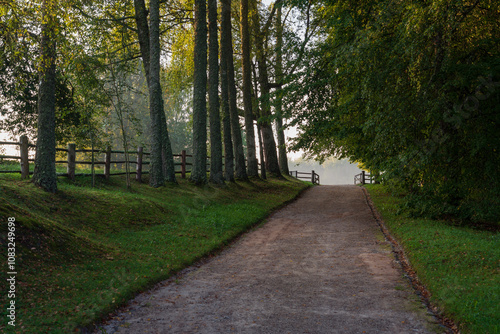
column 332, row 171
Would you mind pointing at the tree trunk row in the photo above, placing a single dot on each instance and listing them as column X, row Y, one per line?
column 162, row 163
column 233, row 142
column 270, row 155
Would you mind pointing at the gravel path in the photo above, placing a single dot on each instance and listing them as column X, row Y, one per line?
column 319, row 265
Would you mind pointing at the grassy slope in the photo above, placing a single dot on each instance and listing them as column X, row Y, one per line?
column 459, row 265
column 83, row 251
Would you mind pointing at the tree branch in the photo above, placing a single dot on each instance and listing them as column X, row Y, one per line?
column 270, row 17
column 307, row 37
column 118, row 20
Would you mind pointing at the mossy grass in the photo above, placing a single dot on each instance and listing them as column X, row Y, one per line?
column 84, row 251
column 459, row 265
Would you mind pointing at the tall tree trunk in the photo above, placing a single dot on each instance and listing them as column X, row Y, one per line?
column 216, row 175
column 141, row 20
column 166, row 148
column 199, row 172
column 156, row 176
column 117, row 82
column 225, row 39
column 256, row 111
column 227, row 48
column 45, row 158
column 226, row 123
column 282, row 157
column 253, row 169
column 283, row 160
column 240, row 171
column 270, row 149
column 162, row 162
column 263, row 173
column 271, row 156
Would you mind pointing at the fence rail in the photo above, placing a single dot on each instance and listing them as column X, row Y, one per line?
column 312, row 176
column 364, row 178
column 71, row 162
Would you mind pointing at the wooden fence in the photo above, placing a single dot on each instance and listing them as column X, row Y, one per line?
column 313, row 177
column 363, row 178
column 139, row 162
column 72, row 162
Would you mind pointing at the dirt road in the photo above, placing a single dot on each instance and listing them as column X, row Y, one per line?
column 319, row 265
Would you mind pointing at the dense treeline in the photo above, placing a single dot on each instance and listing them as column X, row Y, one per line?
column 135, row 71
column 411, row 89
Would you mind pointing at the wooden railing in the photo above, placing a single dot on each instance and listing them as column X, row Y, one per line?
column 363, row 178
column 72, row 162
column 313, row 177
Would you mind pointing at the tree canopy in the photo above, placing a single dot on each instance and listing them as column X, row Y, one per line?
column 411, row 89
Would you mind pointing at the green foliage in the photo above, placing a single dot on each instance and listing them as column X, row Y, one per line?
column 458, row 265
column 19, row 73
column 410, row 89
column 83, row 252
column 92, row 37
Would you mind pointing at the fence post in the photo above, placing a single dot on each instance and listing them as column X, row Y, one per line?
column 312, row 177
column 138, row 168
column 183, row 164
column 107, row 163
column 25, row 167
column 71, row 161
column 362, row 177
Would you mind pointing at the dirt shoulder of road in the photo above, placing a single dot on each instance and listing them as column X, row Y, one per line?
column 405, row 265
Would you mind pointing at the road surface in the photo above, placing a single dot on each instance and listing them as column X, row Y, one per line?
column 319, row 265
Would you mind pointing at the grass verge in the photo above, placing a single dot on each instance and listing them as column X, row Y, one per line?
column 84, row 251
column 459, row 265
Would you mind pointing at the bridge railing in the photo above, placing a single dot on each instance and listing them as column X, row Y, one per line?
column 312, row 176
column 363, row 178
